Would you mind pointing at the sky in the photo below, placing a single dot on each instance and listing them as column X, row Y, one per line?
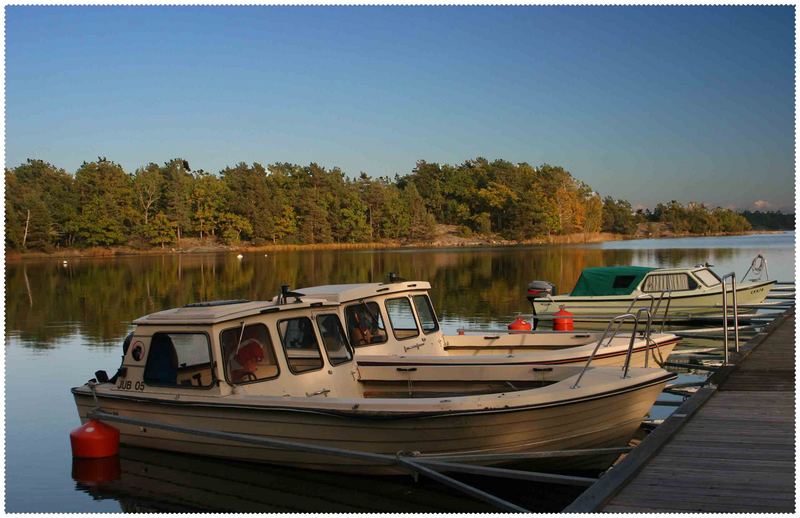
column 648, row 104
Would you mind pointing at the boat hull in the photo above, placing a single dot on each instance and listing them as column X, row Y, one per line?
column 605, row 419
column 518, row 348
column 705, row 302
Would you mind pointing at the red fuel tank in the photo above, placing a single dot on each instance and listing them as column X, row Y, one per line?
column 562, row 320
column 520, row 325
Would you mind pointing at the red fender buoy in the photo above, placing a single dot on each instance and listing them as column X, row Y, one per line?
column 520, row 325
column 562, row 320
column 93, row 472
column 94, row 440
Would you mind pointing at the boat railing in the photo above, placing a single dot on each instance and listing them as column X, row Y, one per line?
column 732, row 277
column 645, row 335
column 639, row 297
column 619, row 320
column 655, row 305
column 757, row 265
column 666, row 294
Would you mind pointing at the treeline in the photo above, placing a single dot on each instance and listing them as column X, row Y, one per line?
column 517, row 201
column 521, row 202
column 770, row 220
column 694, row 218
column 159, row 205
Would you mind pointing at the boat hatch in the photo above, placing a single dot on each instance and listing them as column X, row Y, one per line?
column 707, row 277
column 212, row 303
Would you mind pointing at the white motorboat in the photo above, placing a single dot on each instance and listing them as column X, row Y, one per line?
column 284, row 370
column 609, row 290
column 395, row 322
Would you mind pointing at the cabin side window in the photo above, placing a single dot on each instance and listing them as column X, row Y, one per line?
column 427, row 318
column 401, row 318
column 365, row 324
column 248, row 354
column 669, row 282
column 336, row 346
column 300, row 345
column 179, row 359
column 707, row 278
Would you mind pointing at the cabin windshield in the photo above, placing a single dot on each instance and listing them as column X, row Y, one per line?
column 300, row 344
column 179, row 359
column 401, row 317
column 248, row 354
column 333, row 339
column 365, row 324
column 425, row 313
column 707, row 277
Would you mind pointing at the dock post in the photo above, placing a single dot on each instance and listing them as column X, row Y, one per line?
column 735, row 313
column 725, row 316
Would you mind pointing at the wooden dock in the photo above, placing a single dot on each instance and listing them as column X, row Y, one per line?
column 729, row 448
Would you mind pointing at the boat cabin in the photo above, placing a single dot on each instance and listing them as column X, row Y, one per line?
column 393, row 318
column 223, row 347
column 627, row 280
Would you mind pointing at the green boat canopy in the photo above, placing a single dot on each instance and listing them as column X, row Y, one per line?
column 609, row 280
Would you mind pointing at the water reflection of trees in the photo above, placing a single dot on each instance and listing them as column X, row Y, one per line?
column 99, row 298
column 674, row 257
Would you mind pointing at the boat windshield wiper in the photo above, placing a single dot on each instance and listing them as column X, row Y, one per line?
column 241, row 335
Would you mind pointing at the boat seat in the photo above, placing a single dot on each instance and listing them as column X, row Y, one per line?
column 162, row 362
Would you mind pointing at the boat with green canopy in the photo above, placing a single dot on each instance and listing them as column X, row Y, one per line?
column 611, row 290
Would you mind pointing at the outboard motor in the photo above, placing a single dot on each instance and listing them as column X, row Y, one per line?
column 538, row 289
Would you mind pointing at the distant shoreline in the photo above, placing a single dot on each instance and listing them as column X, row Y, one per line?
column 442, row 241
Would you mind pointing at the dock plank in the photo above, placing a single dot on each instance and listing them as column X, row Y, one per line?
column 731, row 451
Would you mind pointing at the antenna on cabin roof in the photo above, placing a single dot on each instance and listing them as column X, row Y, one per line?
column 393, row 277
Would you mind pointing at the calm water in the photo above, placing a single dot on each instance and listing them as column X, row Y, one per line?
column 65, row 322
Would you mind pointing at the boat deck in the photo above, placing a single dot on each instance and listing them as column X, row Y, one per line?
column 726, row 449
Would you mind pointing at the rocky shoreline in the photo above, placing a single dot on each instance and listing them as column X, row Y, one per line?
column 446, row 237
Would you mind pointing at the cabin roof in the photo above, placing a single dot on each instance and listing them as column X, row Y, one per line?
column 619, row 280
column 609, row 280
column 222, row 311
column 680, row 269
column 350, row 292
